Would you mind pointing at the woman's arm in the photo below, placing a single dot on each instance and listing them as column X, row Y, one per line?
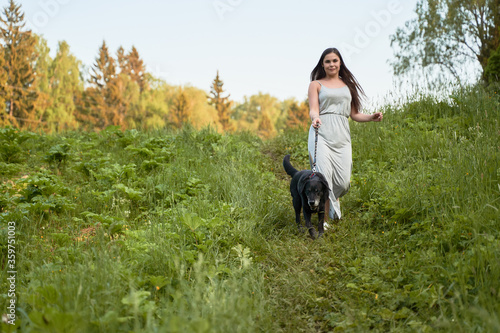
column 362, row 118
column 314, row 103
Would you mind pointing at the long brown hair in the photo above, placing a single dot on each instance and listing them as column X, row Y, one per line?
column 345, row 75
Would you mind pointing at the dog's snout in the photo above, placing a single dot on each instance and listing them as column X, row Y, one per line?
column 313, row 204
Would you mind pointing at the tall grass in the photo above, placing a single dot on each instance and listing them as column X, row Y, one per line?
column 193, row 231
column 418, row 249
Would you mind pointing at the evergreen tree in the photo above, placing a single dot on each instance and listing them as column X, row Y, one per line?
column 221, row 104
column 3, row 83
column 137, row 70
column 103, row 96
column 122, row 59
column 180, row 111
column 115, row 88
column 18, row 47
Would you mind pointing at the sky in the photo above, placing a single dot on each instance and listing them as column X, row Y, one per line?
column 267, row 46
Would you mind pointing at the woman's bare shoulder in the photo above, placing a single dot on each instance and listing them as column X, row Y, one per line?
column 315, row 84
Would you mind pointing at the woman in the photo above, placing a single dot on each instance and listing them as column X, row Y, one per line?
column 334, row 95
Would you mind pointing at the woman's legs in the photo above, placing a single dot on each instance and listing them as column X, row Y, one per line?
column 327, row 210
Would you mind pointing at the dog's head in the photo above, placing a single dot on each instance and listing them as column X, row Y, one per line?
column 315, row 189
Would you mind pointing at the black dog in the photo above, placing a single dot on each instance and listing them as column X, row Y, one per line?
column 309, row 192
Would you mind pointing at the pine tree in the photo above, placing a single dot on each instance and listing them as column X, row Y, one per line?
column 180, row 111
column 221, row 104
column 18, row 46
column 102, row 97
column 3, row 83
column 122, row 59
column 137, row 70
column 104, row 68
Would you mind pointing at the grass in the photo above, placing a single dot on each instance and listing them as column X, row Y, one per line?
column 193, row 231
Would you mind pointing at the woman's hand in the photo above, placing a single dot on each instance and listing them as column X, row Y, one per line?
column 316, row 123
column 377, row 116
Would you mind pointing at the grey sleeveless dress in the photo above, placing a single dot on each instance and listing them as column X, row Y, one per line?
column 334, row 153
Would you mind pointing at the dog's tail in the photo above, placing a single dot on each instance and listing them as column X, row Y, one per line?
column 288, row 167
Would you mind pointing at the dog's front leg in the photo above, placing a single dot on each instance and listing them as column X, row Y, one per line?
column 309, row 226
column 297, row 205
column 321, row 221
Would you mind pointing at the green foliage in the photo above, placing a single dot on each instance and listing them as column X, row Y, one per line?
column 441, row 36
column 194, row 231
column 419, row 233
column 492, row 70
column 50, row 94
column 18, row 47
column 148, row 246
column 11, row 142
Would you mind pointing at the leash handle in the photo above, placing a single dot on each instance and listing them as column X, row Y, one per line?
column 315, row 149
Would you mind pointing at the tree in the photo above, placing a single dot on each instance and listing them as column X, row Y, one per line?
column 180, row 110
column 492, row 70
column 454, row 35
column 122, row 59
column 41, row 82
column 103, row 96
column 150, row 110
column 3, row 84
column 137, row 70
column 298, row 115
column 18, row 46
column 221, row 104
column 249, row 114
column 66, row 87
column 266, row 127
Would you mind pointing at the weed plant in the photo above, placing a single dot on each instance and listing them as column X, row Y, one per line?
column 193, row 231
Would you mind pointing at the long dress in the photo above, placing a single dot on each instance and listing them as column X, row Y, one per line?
column 334, row 152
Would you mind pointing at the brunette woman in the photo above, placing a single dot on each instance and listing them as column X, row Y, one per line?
column 334, row 96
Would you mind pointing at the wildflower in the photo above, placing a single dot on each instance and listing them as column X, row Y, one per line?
column 157, row 288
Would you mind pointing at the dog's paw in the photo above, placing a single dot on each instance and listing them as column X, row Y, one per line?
column 313, row 234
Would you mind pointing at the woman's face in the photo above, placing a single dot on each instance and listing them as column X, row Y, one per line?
column 331, row 64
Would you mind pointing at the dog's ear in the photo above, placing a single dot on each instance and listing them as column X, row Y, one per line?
column 302, row 183
column 324, row 182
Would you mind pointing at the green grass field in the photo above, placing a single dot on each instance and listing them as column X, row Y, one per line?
column 193, row 231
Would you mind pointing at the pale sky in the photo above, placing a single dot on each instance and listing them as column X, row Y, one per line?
column 257, row 45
